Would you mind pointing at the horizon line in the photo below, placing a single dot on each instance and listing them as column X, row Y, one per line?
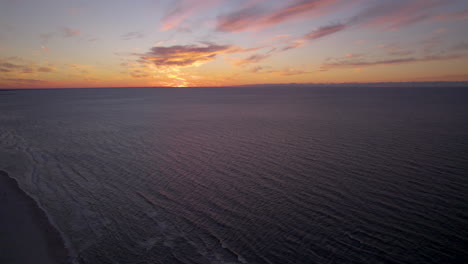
column 422, row 83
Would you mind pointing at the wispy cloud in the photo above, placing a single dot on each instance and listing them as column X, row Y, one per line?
column 291, row 43
column 65, row 32
column 254, row 17
column 454, row 16
column 287, row 71
column 447, row 77
column 463, row 46
column 45, row 37
column 183, row 10
column 296, row 9
column 385, row 14
column 395, row 50
column 185, row 55
column 353, row 63
column 139, row 74
column 132, row 35
column 325, row 31
column 24, row 81
column 255, row 58
column 396, row 14
column 70, row 32
column 17, row 65
column 45, row 69
column 239, row 20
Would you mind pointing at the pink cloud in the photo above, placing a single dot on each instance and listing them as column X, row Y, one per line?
column 255, row 58
column 454, row 16
column 183, row 10
column 397, row 13
column 296, row 9
column 255, row 17
column 325, row 31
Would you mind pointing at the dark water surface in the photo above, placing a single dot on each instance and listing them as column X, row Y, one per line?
column 245, row 175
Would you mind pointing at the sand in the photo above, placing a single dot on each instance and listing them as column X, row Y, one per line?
column 26, row 235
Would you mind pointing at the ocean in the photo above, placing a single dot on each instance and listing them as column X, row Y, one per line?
column 245, row 175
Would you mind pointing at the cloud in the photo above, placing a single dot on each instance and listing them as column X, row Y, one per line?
column 255, row 58
column 396, row 14
column 181, row 11
column 387, row 14
column 132, row 35
column 252, row 59
column 82, row 70
column 288, row 71
column 315, row 34
column 185, row 55
column 254, row 17
column 395, row 50
column 9, row 65
column 256, row 69
column 296, row 9
column 24, row 81
column 65, row 32
column 461, row 46
column 45, row 37
column 69, row 32
column 448, row 77
column 45, row 69
column 239, row 20
column 139, row 74
column 355, row 63
column 325, row 31
column 454, row 16
column 293, row 44
column 353, row 55
column 291, row 72
column 21, row 66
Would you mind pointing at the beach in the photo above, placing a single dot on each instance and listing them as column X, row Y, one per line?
column 26, row 234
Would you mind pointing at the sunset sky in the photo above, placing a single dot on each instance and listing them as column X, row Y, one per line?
column 100, row 43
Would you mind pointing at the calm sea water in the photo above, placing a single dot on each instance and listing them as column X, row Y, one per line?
column 246, row 175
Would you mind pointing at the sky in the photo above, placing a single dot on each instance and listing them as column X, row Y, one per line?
column 183, row 43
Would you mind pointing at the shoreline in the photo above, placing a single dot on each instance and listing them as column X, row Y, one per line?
column 27, row 236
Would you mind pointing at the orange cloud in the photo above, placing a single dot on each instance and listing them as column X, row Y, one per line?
column 185, row 55
column 17, row 65
column 288, row 71
column 22, row 81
